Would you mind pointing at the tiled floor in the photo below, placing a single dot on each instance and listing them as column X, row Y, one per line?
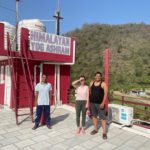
column 62, row 135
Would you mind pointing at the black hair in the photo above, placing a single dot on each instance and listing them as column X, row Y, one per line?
column 98, row 73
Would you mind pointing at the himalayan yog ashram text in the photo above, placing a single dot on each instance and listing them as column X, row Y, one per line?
column 45, row 42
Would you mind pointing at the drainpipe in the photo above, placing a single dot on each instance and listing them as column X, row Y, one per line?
column 41, row 71
column 58, row 85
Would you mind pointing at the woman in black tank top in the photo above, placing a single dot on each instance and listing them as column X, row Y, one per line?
column 97, row 94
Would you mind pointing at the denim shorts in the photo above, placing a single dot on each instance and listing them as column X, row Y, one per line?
column 97, row 111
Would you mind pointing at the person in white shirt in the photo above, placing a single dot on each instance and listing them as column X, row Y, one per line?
column 82, row 102
column 42, row 101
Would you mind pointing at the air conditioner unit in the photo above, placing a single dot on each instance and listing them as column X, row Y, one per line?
column 121, row 114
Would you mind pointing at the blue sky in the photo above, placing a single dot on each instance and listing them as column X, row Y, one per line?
column 78, row 12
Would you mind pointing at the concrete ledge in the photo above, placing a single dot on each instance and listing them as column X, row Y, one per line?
column 134, row 129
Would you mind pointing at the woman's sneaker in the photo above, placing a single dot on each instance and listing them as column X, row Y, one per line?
column 78, row 131
column 82, row 131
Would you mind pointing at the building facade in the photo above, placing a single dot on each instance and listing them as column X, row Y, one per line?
column 39, row 53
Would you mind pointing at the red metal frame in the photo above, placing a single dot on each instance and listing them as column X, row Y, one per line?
column 14, row 80
column 106, row 72
column 130, row 102
column 27, row 72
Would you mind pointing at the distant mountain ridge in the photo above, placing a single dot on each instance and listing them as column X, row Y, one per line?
column 129, row 47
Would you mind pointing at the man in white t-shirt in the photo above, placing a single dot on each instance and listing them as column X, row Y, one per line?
column 42, row 101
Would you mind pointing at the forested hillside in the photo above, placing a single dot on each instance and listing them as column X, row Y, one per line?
column 129, row 47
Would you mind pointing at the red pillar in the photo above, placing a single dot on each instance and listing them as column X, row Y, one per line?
column 106, row 72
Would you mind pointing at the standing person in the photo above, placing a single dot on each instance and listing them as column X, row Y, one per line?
column 42, row 101
column 98, row 95
column 82, row 102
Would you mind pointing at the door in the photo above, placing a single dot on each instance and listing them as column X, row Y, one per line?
column 7, row 96
column 48, row 70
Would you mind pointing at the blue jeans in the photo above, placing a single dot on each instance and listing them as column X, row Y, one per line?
column 39, row 110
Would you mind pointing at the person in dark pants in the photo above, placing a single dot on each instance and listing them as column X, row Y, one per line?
column 42, row 101
column 98, row 95
column 82, row 102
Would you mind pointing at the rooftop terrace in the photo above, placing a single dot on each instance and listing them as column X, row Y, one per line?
column 62, row 135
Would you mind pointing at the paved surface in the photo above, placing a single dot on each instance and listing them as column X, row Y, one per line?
column 62, row 135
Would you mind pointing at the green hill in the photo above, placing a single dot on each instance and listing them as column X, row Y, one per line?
column 129, row 47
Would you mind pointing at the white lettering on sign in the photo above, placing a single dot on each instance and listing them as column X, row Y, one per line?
column 51, row 43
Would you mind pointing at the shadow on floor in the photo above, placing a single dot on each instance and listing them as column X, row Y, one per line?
column 89, row 124
column 58, row 119
column 108, row 121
